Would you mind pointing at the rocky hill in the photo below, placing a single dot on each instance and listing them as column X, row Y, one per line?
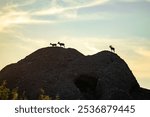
column 72, row 75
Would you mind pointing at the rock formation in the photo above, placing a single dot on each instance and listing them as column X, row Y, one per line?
column 72, row 75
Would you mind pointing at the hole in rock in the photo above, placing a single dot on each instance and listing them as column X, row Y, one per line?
column 87, row 86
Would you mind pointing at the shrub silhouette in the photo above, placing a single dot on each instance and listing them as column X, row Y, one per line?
column 4, row 91
column 14, row 94
column 7, row 94
column 43, row 96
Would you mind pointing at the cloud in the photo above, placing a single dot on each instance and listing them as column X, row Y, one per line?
column 30, row 44
column 143, row 52
column 13, row 13
column 11, row 16
column 133, row 1
column 67, row 5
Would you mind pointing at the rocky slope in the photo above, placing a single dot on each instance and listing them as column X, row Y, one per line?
column 71, row 75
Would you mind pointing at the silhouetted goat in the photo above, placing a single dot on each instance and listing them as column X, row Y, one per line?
column 61, row 44
column 112, row 48
column 53, row 44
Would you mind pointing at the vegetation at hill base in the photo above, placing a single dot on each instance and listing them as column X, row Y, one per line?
column 13, row 94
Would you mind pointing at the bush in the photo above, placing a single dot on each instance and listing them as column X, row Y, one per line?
column 4, row 91
column 7, row 94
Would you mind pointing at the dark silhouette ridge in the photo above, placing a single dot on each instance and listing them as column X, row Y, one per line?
column 72, row 75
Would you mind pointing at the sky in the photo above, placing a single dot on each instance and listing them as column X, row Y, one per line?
column 89, row 26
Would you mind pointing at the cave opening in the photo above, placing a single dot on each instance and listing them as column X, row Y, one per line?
column 87, row 86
